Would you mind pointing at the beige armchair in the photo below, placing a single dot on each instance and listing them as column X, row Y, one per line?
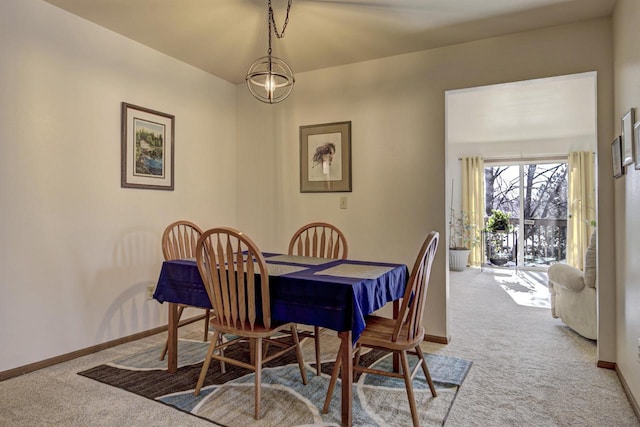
column 573, row 293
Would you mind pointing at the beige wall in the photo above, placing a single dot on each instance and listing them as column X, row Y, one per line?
column 77, row 251
column 627, row 198
column 396, row 106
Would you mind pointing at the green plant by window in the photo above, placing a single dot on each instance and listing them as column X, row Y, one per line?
column 463, row 234
column 499, row 221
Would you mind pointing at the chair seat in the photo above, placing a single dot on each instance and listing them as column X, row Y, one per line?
column 379, row 331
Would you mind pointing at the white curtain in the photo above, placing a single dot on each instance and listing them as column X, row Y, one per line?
column 581, row 206
column 473, row 201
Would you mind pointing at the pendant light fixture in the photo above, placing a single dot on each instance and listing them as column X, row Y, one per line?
column 269, row 78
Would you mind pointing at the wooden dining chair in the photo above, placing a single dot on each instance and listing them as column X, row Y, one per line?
column 322, row 240
column 236, row 278
column 401, row 336
column 319, row 239
column 179, row 242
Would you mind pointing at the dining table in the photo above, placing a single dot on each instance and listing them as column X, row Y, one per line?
column 329, row 293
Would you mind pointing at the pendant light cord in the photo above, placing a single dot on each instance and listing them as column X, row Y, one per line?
column 271, row 21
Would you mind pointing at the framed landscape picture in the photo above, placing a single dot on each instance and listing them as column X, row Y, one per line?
column 325, row 157
column 147, row 148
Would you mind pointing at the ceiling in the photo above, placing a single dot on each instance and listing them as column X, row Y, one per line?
column 553, row 108
column 223, row 37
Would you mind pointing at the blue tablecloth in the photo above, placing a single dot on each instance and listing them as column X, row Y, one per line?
column 315, row 294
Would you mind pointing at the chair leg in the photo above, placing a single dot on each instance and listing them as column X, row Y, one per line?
column 425, row 369
column 316, row 336
column 408, row 384
column 296, row 340
column 258, row 374
column 223, row 366
column 332, row 383
column 252, row 351
column 356, row 358
column 166, row 343
column 207, row 315
column 265, row 352
column 205, row 365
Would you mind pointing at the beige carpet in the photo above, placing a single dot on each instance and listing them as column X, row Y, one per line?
column 528, row 370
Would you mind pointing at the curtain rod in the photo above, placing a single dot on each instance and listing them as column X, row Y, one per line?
column 523, row 159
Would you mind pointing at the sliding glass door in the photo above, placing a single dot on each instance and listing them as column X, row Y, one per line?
column 535, row 196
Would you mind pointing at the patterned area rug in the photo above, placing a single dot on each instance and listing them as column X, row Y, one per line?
column 227, row 399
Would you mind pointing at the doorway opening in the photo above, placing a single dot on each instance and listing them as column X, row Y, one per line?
column 529, row 130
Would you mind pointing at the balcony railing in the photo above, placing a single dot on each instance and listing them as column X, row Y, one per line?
column 544, row 241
